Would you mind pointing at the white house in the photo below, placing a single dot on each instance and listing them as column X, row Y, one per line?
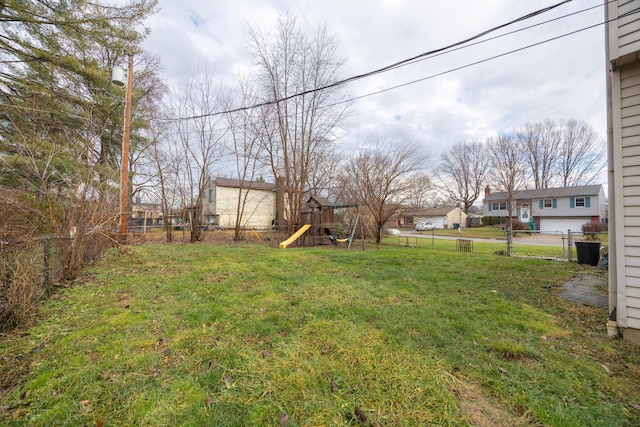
column 442, row 217
column 550, row 209
column 221, row 200
column 623, row 144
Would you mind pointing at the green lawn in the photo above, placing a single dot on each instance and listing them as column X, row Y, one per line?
column 249, row 335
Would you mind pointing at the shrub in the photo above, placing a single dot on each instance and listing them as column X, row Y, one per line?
column 492, row 220
column 28, row 270
column 21, row 283
column 594, row 227
column 591, row 229
column 517, row 225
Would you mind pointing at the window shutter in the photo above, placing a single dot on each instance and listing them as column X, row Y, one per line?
column 587, row 202
column 554, row 203
column 572, row 202
column 541, row 204
column 489, row 207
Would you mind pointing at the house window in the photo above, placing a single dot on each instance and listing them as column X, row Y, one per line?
column 580, row 202
column 548, row 203
column 499, row 206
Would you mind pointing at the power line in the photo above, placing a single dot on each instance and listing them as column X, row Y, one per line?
column 507, row 33
column 483, row 60
column 380, row 70
column 470, row 64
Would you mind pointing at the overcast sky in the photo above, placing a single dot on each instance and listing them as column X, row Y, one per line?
column 559, row 79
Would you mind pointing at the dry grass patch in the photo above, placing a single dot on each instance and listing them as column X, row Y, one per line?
column 481, row 411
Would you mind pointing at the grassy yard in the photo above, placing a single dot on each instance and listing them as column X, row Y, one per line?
column 249, row 335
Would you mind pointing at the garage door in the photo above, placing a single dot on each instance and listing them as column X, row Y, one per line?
column 437, row 222
column 549, row 225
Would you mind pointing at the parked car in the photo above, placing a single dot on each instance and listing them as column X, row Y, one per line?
column 424, row 226
column 392, row 231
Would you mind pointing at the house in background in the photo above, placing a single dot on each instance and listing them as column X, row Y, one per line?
column 550, row 209
column 220, row 203
column 145, row 213
column 442, row 217
column 623, row 146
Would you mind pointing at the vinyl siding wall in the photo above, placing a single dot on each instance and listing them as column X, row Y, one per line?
column 628, row 27
column 564, row 207
column 561, row 207
column 624, row 46
column 630, row 120
column 259, row 211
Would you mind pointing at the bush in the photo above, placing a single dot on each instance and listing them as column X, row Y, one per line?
column 29, row 269
column 517, row 225
column 492, row 220
column 591, row 229
column 594, row 227
column 21, row 282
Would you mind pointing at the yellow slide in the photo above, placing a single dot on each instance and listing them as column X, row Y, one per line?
column 295, row 236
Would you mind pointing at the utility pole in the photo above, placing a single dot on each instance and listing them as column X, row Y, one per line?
column 126, row 133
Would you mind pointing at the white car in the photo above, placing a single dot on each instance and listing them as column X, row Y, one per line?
column 424, row 226
column 392, row 231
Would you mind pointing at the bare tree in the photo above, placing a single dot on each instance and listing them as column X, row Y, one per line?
column 419, row 189
column 509, row 168
column 377, row 177
column 582, row 154
column 462, row 173
column 246, row 148
column 200, row 139
column 164, row 189
column 541, row 145
column 292, row 63
column 323, row 179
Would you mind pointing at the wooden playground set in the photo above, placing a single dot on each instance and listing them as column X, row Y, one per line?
column 328, row 223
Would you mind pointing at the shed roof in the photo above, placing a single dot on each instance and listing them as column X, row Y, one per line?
column 326, row 203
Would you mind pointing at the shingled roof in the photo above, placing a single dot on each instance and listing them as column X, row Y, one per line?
column 547, row 193
column 236, row 183
column 326, row 203
column 430, row 212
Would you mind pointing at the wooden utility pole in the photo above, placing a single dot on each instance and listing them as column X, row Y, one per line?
column 124, row 171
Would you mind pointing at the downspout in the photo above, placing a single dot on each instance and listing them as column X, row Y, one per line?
column 612, row 324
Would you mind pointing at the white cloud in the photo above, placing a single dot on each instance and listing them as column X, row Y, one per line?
column 559, row 79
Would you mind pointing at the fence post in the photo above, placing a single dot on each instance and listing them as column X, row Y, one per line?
column 569, row 241
column 45, row 261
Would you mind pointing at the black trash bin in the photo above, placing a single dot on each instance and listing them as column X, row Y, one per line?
column 588, row 252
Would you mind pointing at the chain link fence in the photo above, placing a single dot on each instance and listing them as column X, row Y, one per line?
column 551, row 245
column 30, row 268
